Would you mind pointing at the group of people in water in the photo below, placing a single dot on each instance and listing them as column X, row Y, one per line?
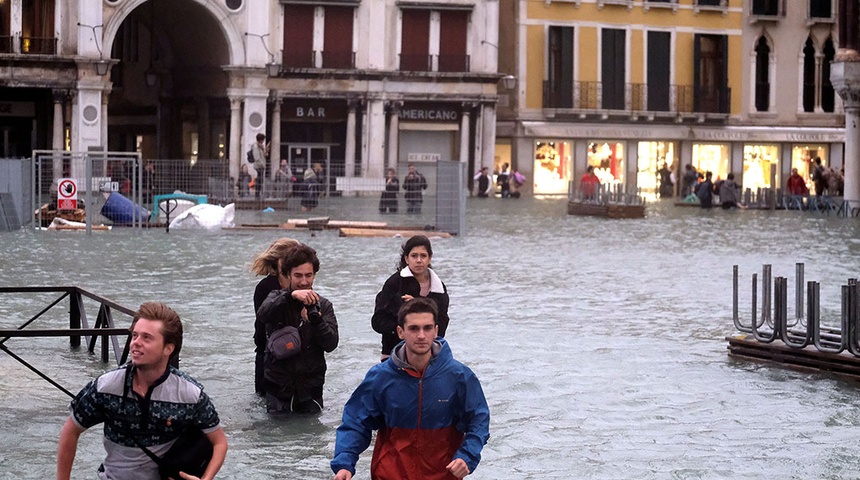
column 429, row 409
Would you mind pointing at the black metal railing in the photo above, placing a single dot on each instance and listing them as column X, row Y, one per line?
column 415, row 62
column 7, row 44
column 453, row 63
column 298, row 59
column 341, row 60
column 681, row 98
column 38, row 45
column 104, row 327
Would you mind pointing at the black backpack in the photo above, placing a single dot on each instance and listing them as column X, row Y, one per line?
column 251, row 155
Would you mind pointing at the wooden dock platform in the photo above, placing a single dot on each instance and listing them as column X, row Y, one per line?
column 382, row 232
column 806, row 359
column 608, row 210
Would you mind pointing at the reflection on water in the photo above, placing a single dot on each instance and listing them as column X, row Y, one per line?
column 600, row 344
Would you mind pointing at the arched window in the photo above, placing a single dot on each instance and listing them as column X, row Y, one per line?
column 827, row 94
column 809, row 76
column 762, row 76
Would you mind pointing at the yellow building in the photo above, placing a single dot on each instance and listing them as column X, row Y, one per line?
column 625, row 86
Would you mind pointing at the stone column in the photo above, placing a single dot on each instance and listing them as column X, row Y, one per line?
column 488, row 137
column 845, row 77
column 349, row 151
column 393, row 133
column 275, row 147
column 58, row 133
column 235, row 140
column 465, row 121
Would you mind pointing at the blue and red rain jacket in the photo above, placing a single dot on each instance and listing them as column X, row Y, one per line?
column 424, row 421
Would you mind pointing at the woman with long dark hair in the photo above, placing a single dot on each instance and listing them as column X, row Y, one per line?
column 413, row 278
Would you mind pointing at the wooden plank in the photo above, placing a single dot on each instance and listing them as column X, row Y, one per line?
column 809, row 358
column 337, row 224
column 376, row 232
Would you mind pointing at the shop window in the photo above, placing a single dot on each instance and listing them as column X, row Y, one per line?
column 558, row 89
column 37, row 27
column 337, row 44
column 802, row 157
column 607, row 158
column 298, row 36
column 453, row 30
column 613, row 62
column 552, row 167
column 758, row 161
column 415, row 42
column 710, row 75
column 762, row 75
column 651, row 178
column 712, row 158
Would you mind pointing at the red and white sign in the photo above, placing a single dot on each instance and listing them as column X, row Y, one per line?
column 67, row 194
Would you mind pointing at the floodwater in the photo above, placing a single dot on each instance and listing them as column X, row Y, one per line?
column 600, row 344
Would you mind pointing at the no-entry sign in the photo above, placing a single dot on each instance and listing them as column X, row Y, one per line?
column 67, row 194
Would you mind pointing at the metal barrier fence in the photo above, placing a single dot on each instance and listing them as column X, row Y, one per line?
column 121, row 189
column 802, row 330
column 605, row 194
column 103, row 328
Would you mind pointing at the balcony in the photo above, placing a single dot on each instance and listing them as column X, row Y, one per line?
column 711, row 5
column 298, row 59
column 453, row 63
column 38, row 45
column 338, row 60
column 676, row 101
column 415, row 62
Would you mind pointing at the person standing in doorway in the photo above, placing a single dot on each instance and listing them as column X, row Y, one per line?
column 818, row 177
column 429, row 409
column 312, row 187
column 146, row 402
column 413, row 184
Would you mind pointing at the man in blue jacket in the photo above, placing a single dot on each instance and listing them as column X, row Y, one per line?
column 430, row 410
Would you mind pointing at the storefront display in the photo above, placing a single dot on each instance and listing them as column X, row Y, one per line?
column 652, row 157
column 758, row 160
column 802, row 157
column 711, row 157
column 607, row 158
column 552, row 167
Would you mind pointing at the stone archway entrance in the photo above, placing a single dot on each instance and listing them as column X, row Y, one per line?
column 169, row 91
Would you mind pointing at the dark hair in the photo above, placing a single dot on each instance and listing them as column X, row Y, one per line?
column 300, row 255
column 261, row 136
column 171, row 325
column 730, row 176
column 589, row 169
column 408, row 245
column 418, row 305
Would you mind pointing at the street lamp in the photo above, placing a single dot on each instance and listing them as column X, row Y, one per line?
column 272, row 68
column 102, row 65
column 509, row 82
